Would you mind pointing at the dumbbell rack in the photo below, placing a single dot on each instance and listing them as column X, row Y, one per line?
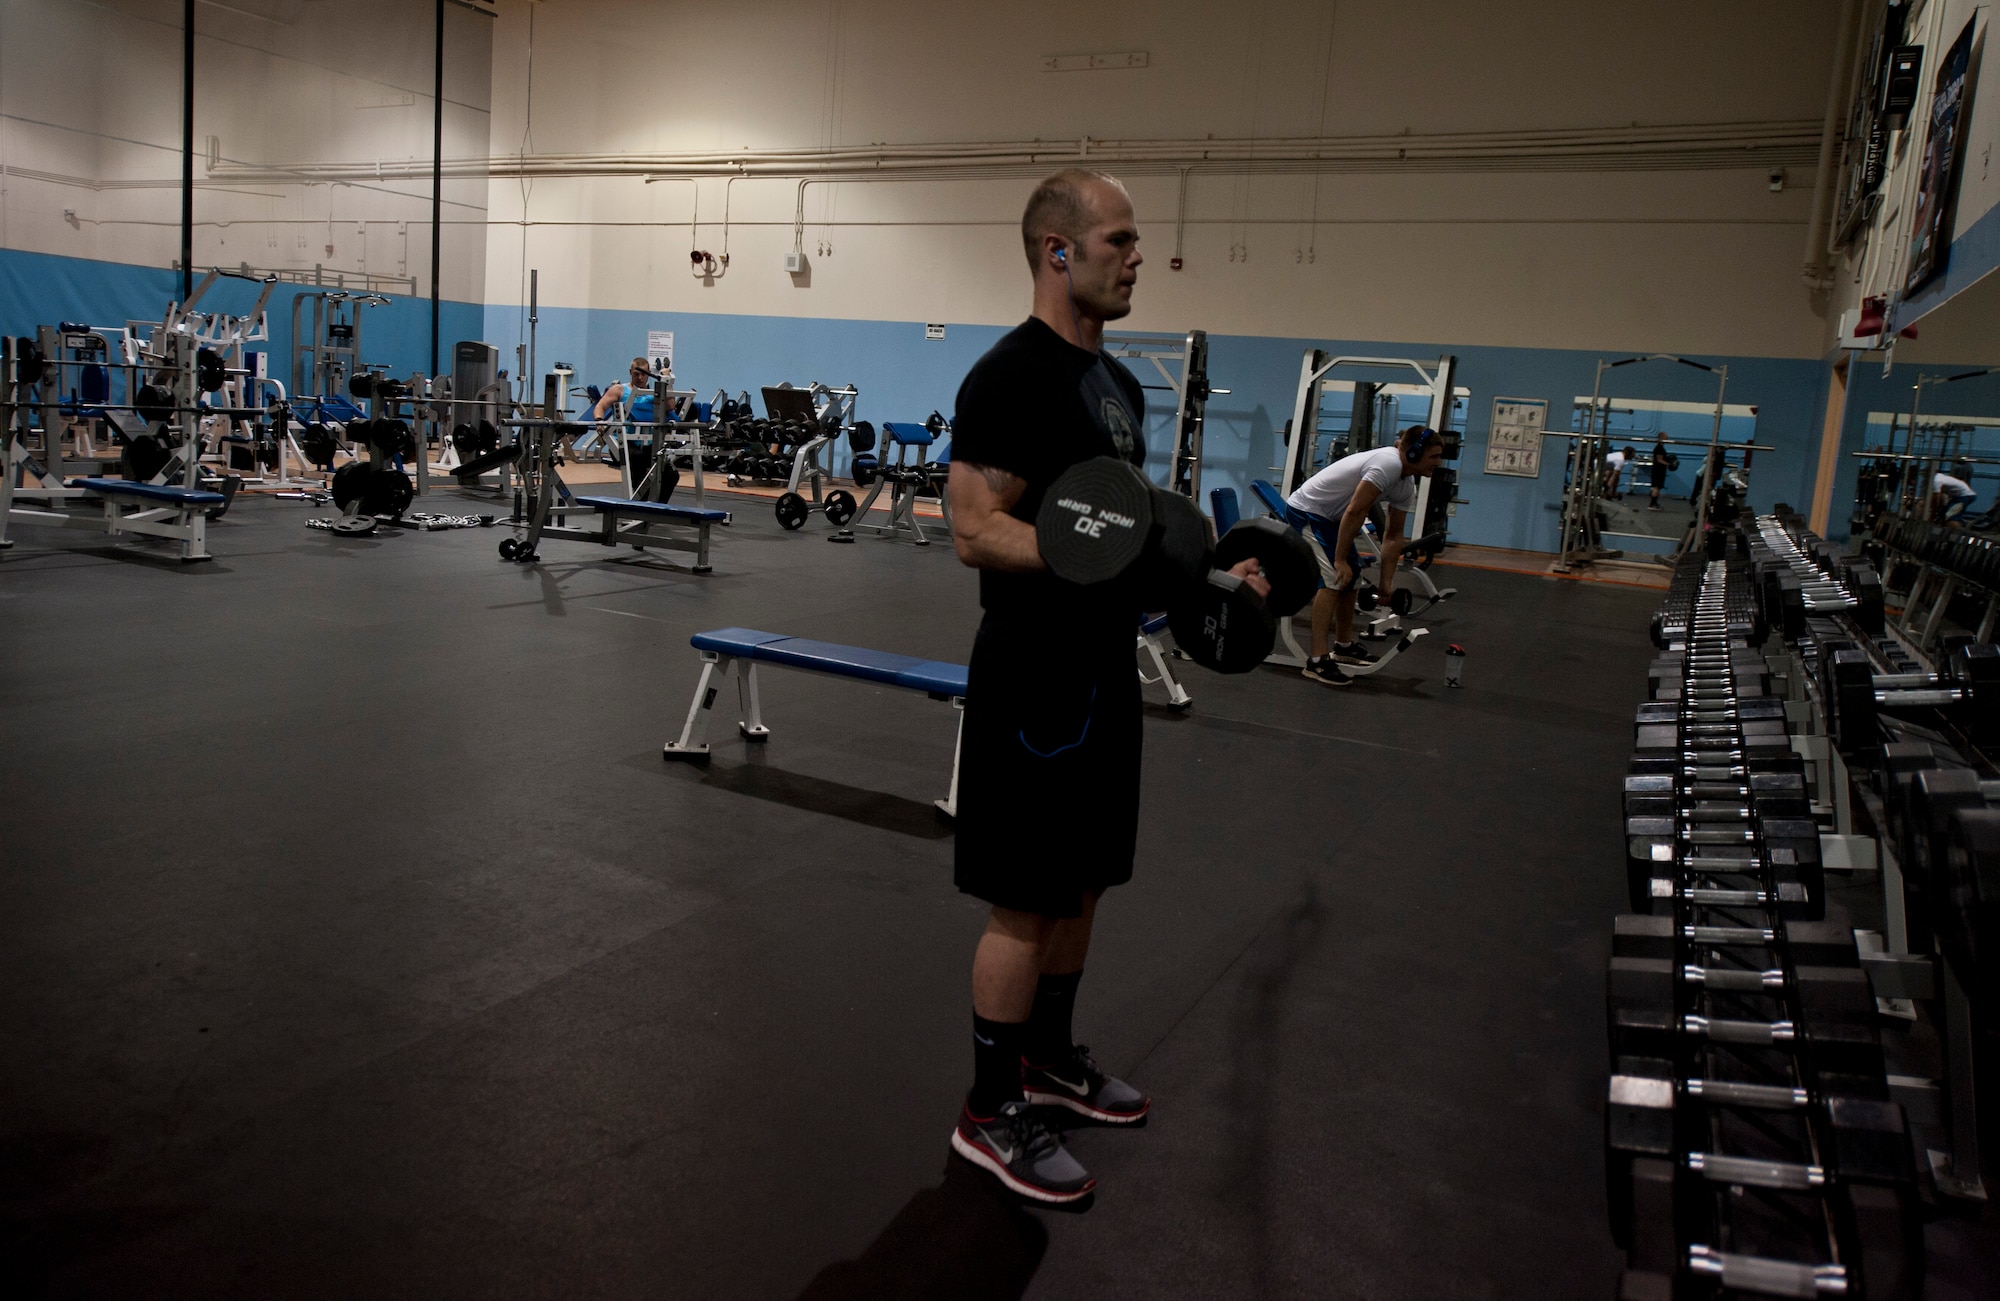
column 1751, row 1143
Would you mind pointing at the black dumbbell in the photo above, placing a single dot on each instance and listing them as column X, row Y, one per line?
column 1223, row 624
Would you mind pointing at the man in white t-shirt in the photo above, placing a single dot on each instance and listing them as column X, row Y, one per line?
column 1330, row 509
column 1951, row 495
column 1614, row 469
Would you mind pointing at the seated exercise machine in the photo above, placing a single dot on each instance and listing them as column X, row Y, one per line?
column 724, row 648
column 903, row 468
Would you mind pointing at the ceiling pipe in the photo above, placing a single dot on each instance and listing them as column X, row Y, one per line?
column 1839, row 89
column 1698, row 146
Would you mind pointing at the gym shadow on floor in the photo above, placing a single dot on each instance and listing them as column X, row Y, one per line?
column 967, row 1239
column 752, row 778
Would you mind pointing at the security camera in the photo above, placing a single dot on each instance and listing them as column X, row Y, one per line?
column 1777, row 179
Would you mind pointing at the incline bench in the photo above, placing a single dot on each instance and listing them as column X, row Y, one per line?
column 154, row 510
column 724, row 647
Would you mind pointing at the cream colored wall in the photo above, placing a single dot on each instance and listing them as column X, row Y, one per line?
column 1697, row 261
column 90, row 124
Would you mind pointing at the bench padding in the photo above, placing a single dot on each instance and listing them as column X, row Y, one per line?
column 187, row 497
column 658, row 509
column 933, row 676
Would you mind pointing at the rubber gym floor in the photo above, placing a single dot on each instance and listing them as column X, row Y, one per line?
column 357, row 942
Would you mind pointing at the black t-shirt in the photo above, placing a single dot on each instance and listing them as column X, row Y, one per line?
column 1033, row 406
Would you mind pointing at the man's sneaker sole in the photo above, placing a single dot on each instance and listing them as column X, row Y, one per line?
column 1337, row 680
column 1080, row 1107
column 992, row 1165
column 1358, row 661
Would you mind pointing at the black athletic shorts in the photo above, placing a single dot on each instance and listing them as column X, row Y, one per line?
column 1048, row 777
column 1659, row 474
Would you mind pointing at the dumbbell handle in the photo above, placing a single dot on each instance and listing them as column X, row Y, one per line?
column 1739, row 1032
column 1734, row 1093
column 1756, row 1173
column 1732, row 979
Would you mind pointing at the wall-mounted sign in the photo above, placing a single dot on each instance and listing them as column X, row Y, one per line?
column 660, row 348
column 934, row 332
column 1514, row 439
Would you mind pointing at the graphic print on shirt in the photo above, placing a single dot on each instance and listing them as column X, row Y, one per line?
column 1106, row 404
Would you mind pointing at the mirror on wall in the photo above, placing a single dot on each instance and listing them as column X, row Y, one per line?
column 1675, row 437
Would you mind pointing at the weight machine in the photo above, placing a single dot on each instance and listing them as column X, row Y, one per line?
column 903, row 467
column 177, row 378
column 1184, row 368
column 325, row 357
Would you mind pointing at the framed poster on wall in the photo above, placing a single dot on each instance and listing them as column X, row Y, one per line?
column 1514, row 438
column 1937, row 183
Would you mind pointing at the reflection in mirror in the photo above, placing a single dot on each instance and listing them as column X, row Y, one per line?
column 1655, row 462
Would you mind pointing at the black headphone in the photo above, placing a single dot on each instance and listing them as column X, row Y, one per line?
column 1420, row 438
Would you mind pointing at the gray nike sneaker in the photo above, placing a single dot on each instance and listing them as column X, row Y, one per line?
column 1022, row 1153
column 1078, row 1084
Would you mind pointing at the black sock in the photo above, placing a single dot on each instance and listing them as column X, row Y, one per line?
column 996, row 1064
column 1049, row 1039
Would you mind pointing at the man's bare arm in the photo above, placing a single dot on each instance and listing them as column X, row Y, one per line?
column 1392, row 547
column 983, row 533
column 1356, row 515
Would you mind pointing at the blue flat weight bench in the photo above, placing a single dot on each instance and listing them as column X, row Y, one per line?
column 725, row 647
column 148, row 509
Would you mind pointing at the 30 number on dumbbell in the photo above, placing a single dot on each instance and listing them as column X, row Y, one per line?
column 1102, row 521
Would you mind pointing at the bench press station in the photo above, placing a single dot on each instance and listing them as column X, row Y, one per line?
column 177, row 513
column 723, row 648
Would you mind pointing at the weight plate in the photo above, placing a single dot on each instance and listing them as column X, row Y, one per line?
column 1182, row 549
column 1222, row 625
column 1095, row 520
column 840, row 505
column 509, row 548
column 350, row 484
column 389, row 492
column 1401, row 600
column 143, row 458
column 1367, row 598
column 1282, row 554
column 792, row 511
column 864, row 471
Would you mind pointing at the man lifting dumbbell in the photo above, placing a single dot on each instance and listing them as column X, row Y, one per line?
column 640, row 387
column 1330, row 508
column 1048, row 796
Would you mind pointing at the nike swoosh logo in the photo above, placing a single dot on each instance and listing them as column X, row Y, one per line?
column 1079, row 1089
column 982, row 1038
column 1005, row 1154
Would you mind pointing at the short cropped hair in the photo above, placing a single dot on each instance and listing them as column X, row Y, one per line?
column 1059, row 207
column 641, row 363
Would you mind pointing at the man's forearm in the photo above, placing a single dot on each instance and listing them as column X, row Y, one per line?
column 1001, row 542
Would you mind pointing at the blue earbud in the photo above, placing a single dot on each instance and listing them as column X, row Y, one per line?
column 1062, row 256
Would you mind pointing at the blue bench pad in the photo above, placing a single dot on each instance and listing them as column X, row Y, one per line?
column 889, row 670
column 1271, row 497
column 150, row 491
column 908, row 435
column 663, row 509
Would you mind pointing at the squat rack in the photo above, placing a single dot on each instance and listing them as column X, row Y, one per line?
column 1188, row 382
column 1301, row 443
